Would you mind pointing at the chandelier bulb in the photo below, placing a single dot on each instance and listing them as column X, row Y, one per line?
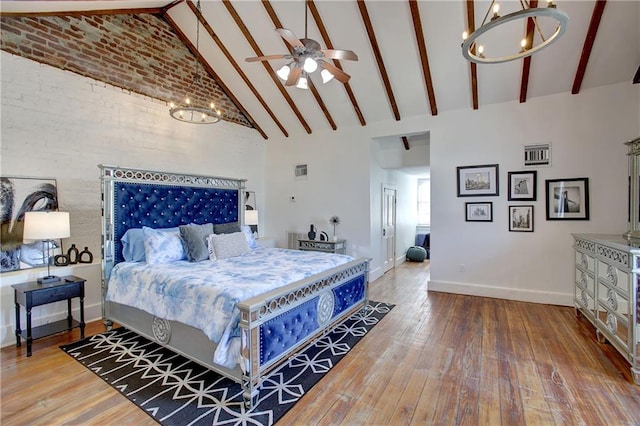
column 172, row 105
column 465, row 35
column 480, row 49
column 310, row 65
column 523, row 43
column 212, row 105
column 550, row 3
column 187, row 101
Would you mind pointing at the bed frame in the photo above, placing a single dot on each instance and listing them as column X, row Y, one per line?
column 132, row 198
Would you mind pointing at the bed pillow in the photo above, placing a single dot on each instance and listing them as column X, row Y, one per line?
column 133, row 244
column 226, row 228
column 194, row 238
column 229, row 245
column 212, row 252
column 162, row 247
column 248, row 233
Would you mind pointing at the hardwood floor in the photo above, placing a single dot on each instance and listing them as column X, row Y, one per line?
column 436, row 358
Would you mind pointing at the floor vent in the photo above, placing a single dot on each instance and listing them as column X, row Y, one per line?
column 292, row 239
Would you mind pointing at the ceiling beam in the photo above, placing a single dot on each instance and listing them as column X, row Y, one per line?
column 245, row 31
column 327, row 42
column 181, row 35
column 526, row 62
column 424, row 57
column 471, row 27
column 76, row 13
column 235, row 65
column 376, row 52
column 277, row 24
column 598, row 9
column 405, row 142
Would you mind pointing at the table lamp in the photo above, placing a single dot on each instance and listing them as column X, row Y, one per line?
column 46, row 226
column 251, row 219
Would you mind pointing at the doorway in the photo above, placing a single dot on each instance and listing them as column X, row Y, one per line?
column 389, row 195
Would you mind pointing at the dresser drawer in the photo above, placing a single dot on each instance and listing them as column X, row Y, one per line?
column 55, row 294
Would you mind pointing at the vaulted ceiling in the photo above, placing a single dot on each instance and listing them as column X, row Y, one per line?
column 410, row 61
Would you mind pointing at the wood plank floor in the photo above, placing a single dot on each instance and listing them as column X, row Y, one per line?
column 436, row 358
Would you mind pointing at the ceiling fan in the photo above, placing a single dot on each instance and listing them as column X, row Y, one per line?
column 306, row 57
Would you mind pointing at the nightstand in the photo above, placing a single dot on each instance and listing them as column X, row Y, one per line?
column 33, row 294
column 338, row 246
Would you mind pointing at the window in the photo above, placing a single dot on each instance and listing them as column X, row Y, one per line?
column 424, row 201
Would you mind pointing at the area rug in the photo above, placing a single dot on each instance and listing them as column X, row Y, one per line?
column 176, row 391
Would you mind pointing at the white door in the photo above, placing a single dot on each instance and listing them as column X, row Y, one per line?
column 389, row 228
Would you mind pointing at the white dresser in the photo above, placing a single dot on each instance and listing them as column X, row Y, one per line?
column 607, row 277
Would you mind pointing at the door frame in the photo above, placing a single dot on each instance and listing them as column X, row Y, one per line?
column 393, row 188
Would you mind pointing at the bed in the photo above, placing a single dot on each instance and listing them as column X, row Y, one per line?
column 290, row 310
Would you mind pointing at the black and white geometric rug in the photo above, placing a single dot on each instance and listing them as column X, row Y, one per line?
column 176, row 391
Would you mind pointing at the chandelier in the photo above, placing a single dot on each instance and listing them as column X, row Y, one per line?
column 189, row 111
column 474, row 51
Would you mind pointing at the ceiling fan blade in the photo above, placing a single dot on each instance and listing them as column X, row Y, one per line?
column 339, row 75
column 340, row 54
column 267, row 58
column 294, row 74
column 290, row 37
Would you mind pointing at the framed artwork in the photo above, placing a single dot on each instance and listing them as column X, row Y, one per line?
column 479, row 212
column 567, row 199
column 522, row 186
column 476, row 181
column 19, row 195
column 521, row 218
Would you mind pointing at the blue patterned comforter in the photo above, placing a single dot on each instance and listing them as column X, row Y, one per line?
column 205, row 294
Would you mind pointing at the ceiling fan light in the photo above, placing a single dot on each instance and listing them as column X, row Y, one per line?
column 326, row 76
column 310, row 65
column 302, row 83
column 283, row 72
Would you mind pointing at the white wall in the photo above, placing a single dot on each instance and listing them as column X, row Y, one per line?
column 58, row 124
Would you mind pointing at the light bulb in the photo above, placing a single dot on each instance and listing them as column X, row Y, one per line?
column 465, row 35
column 187, row 101
column 523, row 43
column 181, row 114
column 480, row 49
column 302, row 83
column 172, row 105
column 310, row 65
column 283, row 72
column 496, row 8
column 204, row 116
column 211, row 105
column 326, row 76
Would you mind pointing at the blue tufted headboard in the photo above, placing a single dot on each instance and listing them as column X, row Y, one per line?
column 133, row 198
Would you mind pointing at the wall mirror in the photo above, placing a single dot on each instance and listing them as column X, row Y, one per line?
column 633, row 234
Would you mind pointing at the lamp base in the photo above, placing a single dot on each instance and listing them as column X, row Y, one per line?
column 48, row 279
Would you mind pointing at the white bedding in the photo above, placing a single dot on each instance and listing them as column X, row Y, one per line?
column 204, row 294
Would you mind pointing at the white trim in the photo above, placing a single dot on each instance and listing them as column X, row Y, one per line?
column 545, row 297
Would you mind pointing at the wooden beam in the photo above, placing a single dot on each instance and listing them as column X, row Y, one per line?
column 277, row 24
column 405, row 141
column 212, row 73
column 598, row 9
column 471, row 27
column 76, row 13
column 235, row 65
column 245, row 31
column 526, row 62
column 376, row 52
column 329, row 45
column 424, row 57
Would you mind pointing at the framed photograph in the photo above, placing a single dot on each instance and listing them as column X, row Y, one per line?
column 521, row 218
column 522, row 186
column 479, row 212
column 567, row 199
column 474, row 181
column 19, row 195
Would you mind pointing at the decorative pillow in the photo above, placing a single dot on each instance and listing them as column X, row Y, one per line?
column 226, row 228
column 162, row 247
column 248, row 233
column 194, row 238
column 133, row 244
column 212, row 253
column 229, row 245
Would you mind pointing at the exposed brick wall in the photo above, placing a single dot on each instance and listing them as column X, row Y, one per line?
column 140, row 53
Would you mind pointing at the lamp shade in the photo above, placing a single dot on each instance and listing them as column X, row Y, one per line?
column 251, row 217
column 46, row 225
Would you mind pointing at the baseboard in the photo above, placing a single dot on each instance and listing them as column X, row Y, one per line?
column 375, row 273
column 8, row 332
column 545, row 297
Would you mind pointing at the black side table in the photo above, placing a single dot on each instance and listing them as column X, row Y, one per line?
column 33, row 294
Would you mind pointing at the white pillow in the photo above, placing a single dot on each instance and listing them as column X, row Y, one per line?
column 212, row 253
column 162, row 247
column 229, row 245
